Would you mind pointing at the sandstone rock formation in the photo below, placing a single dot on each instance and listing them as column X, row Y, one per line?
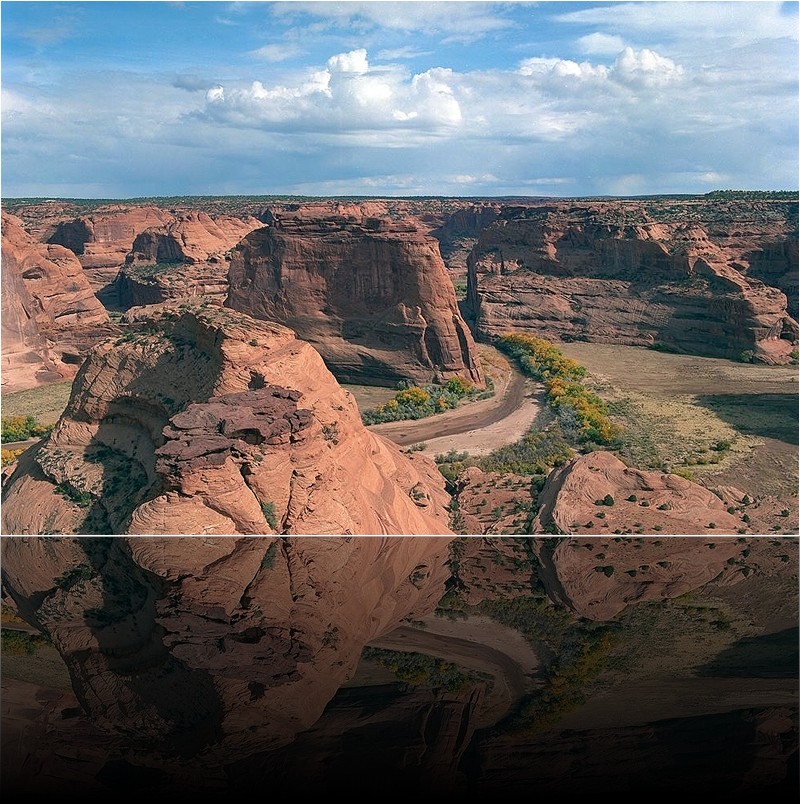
column 50, row 316
column 185, row 257
column 690, row 276
column 102, row 239
column 151, row 242
column 460, row 230
column 202, row 420
column 573, row 495
column 370, row 294
column 213, row 648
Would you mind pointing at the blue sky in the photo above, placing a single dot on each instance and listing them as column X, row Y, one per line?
column 124, row 99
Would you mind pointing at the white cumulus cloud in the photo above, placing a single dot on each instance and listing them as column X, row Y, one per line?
column 348, row 95
column 645, row 67
column 600, row 44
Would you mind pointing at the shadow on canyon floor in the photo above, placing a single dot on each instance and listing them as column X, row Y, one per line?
column 764, row 415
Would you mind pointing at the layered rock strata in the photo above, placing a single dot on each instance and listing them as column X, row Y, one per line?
column 701, row 278
column 50, row 316
column 371, row 294
column 187, row 256
column 102, row 239
column 201, row 420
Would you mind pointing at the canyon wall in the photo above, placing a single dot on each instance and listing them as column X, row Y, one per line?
column 188, row 256
column 693, row 276
column 50, row 316
column 371, row 294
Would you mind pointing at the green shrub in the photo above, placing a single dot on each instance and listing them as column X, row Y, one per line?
column 458, row 386
column 421, row 401
column 21, row 643
column 268, row 509
column 21, row 428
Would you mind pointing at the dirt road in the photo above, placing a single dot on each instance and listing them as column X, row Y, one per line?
column 513, row 395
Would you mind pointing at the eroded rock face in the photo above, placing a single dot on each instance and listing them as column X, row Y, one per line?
column 702, row 277
column 637, row 500
column 371, row 294
column 216, row 647
column 102, row 240
column 188, row 256
column 201, row 420
column 50, row 316
column 459, row 231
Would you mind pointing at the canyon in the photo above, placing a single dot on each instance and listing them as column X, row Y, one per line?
column 216, row 577
column 703, row 277
column 364, row 286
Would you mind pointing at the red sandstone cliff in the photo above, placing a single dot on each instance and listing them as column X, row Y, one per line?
column 50, row 316
column 371, row 294
column 101, row 240
column 690, row 277
column 202, row 420
column 188, row 256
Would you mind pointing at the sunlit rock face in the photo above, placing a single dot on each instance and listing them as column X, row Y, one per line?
column 186, row 256
column 50, row 315
column 369, row 292
column 702, row 278
column 201, row 420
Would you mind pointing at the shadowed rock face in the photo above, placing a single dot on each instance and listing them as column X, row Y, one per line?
column 201, row 420
column 50, row 316
column 701, row 278
column 371, row 294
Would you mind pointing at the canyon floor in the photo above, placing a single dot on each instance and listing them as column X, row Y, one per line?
column 677, row 407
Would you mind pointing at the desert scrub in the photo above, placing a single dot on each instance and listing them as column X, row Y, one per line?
column 21, row 428
column 420, row 401
column 582, row 414
column 10, row 455
column 21, row 643
column 268, row 509
column 415, row 669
